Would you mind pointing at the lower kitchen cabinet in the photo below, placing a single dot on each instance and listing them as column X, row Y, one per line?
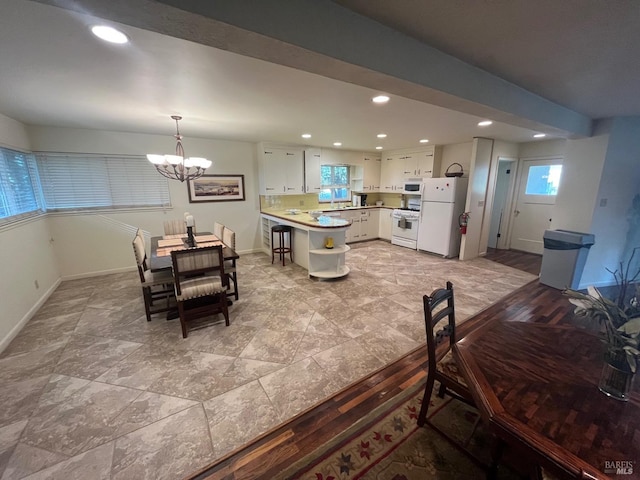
column 386, row 222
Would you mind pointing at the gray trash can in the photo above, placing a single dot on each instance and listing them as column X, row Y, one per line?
column 565, row 253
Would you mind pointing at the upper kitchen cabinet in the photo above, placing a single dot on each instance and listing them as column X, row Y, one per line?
column 312, row 177
column 371, row 165
column 421, row 163
column 391, row 177
column 281, row 170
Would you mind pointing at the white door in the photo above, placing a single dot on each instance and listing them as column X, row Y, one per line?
column 501, row 204
column 538, row 187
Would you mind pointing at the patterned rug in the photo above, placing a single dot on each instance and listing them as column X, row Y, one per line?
column 388, row 445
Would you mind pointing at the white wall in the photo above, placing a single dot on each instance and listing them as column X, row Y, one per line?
column 619, row 184
column 476, row 196
column 456, row 153
column 101, row 242
column 26, row 255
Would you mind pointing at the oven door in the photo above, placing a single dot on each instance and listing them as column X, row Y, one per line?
column 405, row 227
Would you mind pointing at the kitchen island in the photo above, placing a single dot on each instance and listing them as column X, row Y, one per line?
column 309, row 239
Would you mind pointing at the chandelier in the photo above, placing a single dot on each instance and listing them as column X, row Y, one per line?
column 176, row 167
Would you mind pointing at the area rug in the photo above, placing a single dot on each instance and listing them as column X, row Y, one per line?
column 388, row 445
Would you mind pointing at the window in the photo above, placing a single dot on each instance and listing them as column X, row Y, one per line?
column 19, row 189
column 543, row 180
column 335, row 183
column 74, row 182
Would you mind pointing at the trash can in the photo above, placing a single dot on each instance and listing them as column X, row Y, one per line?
column 565, row 253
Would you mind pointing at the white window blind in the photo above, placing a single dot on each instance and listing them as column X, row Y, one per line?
column 82, row 181
column 19, row 190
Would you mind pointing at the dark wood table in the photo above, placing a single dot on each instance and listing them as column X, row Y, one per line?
column 536, row 386
column 158, row 263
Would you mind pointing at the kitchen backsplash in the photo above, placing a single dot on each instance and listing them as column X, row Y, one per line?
column 310, row 201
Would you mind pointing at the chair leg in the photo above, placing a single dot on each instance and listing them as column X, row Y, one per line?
column 225, row 308
column 235, row 285
column 146, row 295
column 282, row 254
column 426, row 399
column 290, row 248
column 442, row 390
column 497, row 449
column 183, row 322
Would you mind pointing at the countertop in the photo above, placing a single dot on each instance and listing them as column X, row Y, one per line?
column 303, row 218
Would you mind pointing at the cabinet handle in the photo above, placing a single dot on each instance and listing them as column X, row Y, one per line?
column 268, row 153
column 290, row 153
column 269, row 188
column 290, row 188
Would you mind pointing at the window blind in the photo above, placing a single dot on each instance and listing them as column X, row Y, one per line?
column 19, row 189
column 82, row 181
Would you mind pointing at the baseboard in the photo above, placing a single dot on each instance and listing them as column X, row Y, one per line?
column 4, row 343
column 98, row 273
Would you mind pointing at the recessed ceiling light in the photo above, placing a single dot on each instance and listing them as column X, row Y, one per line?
column 539, row 135
column 382, row 135
column 306, row 135
column 109, row 34
column 337, row 144
column 485, row 123
column 380, row 99
column 424, row 140
column 378, row 148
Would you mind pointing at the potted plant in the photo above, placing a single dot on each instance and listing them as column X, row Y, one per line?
column 619, row 322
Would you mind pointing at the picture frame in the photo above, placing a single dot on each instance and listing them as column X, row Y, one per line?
column 216, row 188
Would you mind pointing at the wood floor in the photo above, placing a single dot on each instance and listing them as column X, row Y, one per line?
column 527, row 262
column 272, row 452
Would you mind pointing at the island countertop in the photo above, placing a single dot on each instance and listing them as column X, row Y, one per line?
column 306, row 221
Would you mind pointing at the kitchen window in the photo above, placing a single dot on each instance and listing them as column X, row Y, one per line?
column 335, row 183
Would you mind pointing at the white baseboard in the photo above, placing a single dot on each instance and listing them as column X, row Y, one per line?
column 98, row 273
column 4, row 343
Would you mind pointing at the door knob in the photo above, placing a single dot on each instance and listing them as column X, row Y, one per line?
column 517, row 212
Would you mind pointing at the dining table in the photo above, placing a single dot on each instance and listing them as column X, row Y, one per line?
column 536, row 387
column 161, row 247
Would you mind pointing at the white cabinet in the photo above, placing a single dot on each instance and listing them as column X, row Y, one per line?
column 281, row 171
column 421, row 163
column 371, row 173
column 386, row 222
column 391, row 176
column 312, row 178
column 369, row 224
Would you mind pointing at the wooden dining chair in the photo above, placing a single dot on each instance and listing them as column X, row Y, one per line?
column 175, row 227
column 155, row 286
column 218, row 230
column 200, row 284
column 440, row 340
column 229, row 239
column 439, row 307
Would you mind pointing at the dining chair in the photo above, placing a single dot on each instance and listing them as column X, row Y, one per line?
column 441, row 364
column 155, row 286
column 175, row 227
column 218, row 230
column 229, row 239
column 439, row 307
column 200, row 284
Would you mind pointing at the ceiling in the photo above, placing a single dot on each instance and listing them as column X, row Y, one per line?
column 55, row 73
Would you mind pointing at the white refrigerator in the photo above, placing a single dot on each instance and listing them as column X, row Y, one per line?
column 443, row 200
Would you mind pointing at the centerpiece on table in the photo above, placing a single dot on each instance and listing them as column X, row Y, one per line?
column 619, row 322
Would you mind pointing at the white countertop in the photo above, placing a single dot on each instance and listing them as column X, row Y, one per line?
column 303, row 219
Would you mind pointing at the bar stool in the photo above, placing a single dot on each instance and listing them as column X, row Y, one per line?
column 281, row 249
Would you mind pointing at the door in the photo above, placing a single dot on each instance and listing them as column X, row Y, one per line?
column 501, row 204
column 537, row 190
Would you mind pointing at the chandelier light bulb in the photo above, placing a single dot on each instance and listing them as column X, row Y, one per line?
column 177, row 167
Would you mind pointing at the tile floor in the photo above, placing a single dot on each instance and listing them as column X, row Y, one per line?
column 90, row 389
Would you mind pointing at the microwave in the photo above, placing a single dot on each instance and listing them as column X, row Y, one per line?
column 412, row 188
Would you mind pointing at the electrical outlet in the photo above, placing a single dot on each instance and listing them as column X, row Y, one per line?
column 36, row 284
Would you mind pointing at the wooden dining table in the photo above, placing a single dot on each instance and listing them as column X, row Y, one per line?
column 536, row 386
column 161, row 252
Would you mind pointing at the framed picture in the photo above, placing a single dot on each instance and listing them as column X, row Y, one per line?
column 216, row 188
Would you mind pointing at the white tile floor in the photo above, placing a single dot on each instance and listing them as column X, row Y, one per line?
column 90, row 389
